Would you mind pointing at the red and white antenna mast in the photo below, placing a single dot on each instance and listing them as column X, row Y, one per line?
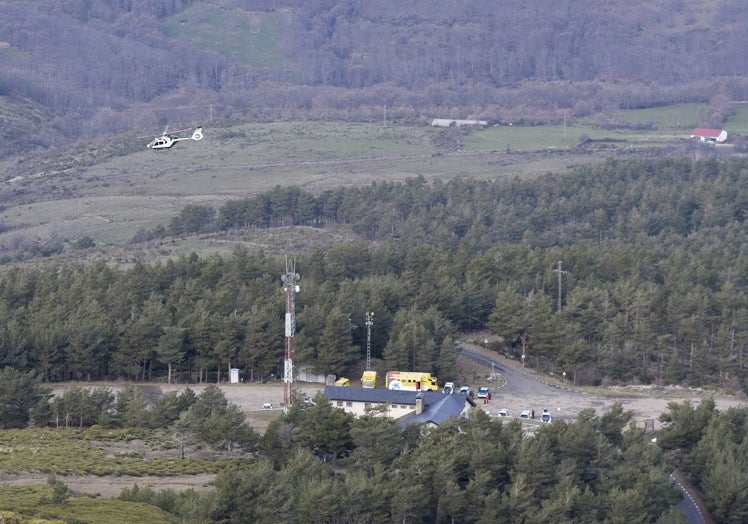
column 291, row 286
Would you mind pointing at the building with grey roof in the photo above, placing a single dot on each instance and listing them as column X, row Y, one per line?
column 408, row 407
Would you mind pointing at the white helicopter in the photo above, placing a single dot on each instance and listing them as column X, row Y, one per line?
column 166, row 140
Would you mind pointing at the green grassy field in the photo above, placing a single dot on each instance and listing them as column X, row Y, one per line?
column 683, row 118
column 521, row 139
column 738, row 123
column 657, row 125
column 677, row 117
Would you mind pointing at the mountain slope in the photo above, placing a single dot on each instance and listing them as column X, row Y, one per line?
column 103, row 67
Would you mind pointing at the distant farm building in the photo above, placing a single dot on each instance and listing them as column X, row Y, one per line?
column 450, row 122
column 709, row 135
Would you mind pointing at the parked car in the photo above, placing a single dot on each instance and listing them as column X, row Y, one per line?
column 546, row 416
column 484, row 392
column 449, row 388
column 464, row 390
column 525, row 414
column 503, row 413
column 267, row 405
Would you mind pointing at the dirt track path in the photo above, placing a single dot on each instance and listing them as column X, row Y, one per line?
column 112, row 486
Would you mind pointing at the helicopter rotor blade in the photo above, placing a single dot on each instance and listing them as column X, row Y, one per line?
column 166, row 132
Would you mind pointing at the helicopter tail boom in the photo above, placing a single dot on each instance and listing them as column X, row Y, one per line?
column 196, row 135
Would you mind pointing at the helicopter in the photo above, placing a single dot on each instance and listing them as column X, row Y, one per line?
column 166, row 140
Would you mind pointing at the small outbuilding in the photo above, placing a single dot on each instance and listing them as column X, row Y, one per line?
column 706, row 134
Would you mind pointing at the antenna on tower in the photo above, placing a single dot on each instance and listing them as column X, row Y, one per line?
column 369, row 322
column 291, row 286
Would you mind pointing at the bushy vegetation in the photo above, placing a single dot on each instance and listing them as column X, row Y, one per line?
column 95, row 452
column 36, row 505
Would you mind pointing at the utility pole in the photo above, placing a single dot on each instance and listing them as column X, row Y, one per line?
column 564, row 129
column 369, row 323
column 291, row 286
column 558, row 270
column 415, row 345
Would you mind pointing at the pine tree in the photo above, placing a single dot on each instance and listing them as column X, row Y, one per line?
column 336, row 353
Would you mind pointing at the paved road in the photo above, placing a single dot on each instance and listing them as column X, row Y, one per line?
column 518, row 382
column 688, row 507
column 524, row 390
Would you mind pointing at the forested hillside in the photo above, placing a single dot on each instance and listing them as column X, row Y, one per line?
column 104, row 67
column 654, row 289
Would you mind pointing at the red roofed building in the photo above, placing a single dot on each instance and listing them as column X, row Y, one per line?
column 709, row 135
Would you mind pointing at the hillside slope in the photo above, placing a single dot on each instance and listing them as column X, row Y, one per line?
column 103, row 67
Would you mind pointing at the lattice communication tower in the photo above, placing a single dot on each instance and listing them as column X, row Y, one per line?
column 291, row 286
column 369, row 323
